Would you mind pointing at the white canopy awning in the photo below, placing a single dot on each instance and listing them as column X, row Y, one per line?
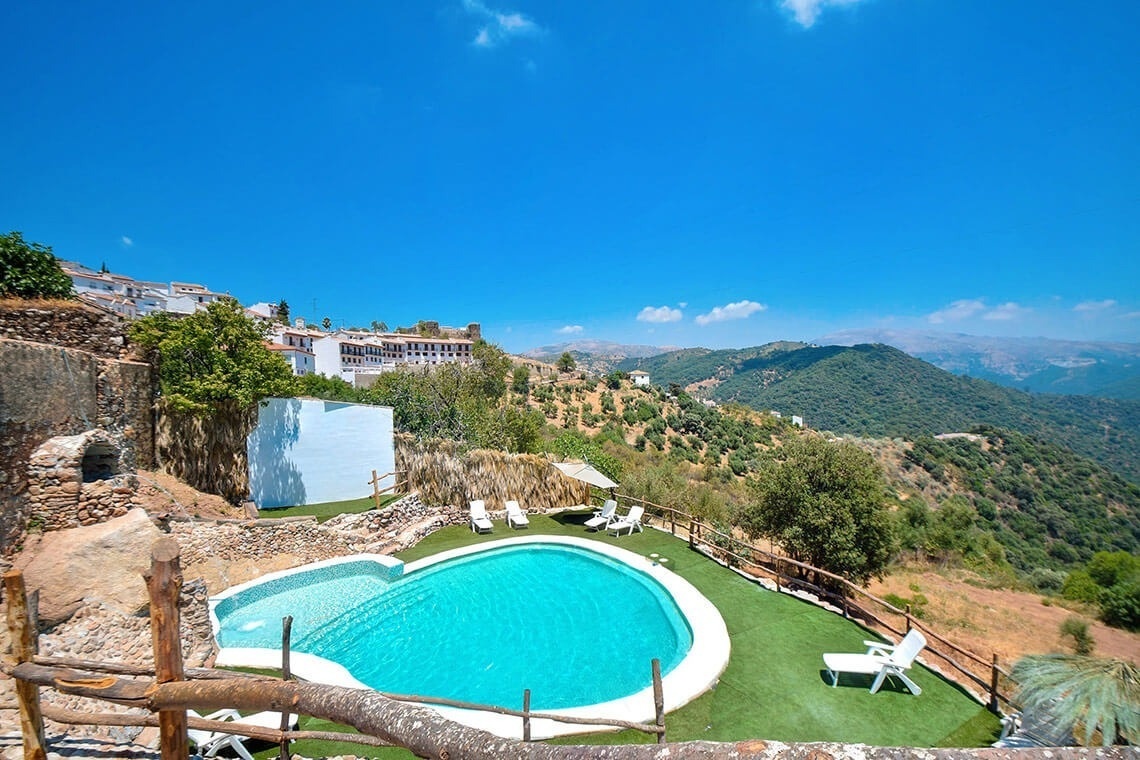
column 586, row 473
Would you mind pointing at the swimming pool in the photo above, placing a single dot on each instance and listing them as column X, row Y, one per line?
column 575, row 621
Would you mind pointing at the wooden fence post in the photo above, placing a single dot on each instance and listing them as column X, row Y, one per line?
column 286, row 674
column 994, row 673
column 375, row 483
column 907, row 614
column 526, row 715
column 164, row 583
column 21, row 631
column 658, row 700
column 692, row 532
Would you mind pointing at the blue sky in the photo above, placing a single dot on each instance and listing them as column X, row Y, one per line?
column 719, row 174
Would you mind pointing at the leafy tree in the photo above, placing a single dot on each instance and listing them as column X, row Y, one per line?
column 1086, row 695
column 379, row 327
column 823, row 503
column 212, row 356
column 30, row 270
column 1111, row 568
column 520, row 380
column 566, row 362
column 283, row 311
column 326, row 323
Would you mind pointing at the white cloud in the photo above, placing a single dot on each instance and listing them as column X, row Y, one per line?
column 1090, row 306
column 569, row 330
column 737, row 310
column 805, row 12
column 659, row 314
column 126, row 241
column 1132, row 315
column 1006, row 312
column 957, row 311
column 499, row 27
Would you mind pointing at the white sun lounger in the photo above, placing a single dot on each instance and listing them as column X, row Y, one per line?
column 480, row 522
column 210, row 743
column 516, row 518
column 880, row 660
column 628, row 522
column 603, row 517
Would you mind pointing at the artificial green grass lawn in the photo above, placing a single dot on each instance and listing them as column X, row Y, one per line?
column 774, row 686
column 330, row 509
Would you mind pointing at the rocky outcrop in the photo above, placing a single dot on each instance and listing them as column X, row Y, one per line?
column 102, row 563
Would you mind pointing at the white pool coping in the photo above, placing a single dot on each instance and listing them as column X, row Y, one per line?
column 693, row 676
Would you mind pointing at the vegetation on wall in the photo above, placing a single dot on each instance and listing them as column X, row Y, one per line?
column 30, row 270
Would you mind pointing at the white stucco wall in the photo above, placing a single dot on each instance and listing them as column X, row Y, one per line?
column 306, row 451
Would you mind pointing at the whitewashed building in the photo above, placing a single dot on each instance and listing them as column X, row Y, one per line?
column 639, row 377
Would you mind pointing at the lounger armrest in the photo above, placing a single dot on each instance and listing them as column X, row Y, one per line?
column 226, row 713
column 879, row 647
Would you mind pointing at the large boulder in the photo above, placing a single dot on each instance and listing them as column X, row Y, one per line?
column 102, row 562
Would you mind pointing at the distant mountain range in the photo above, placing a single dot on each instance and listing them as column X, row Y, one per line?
column 1032, row 364
column 880, row 391
column 597, row 356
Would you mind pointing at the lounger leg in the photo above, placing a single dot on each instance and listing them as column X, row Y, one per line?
column 834, row 678
column 914, row 689
column 879, row 680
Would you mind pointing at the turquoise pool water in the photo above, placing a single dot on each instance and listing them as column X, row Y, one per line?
column 572, row 625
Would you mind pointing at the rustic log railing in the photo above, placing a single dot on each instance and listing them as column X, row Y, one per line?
column 854, row 601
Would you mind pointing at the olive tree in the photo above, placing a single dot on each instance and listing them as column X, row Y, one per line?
column 823, row 503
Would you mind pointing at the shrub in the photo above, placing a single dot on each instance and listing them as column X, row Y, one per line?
column 1078, row 630
column 1079, row 586
column 1120, row 606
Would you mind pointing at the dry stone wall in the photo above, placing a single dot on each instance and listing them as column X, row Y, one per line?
column 71, row 325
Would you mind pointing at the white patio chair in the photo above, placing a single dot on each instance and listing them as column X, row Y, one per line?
column 603, row 517
column 880, row 660
column 210, row 743
column 628, row 522
column 516, row 518
column 480, row 522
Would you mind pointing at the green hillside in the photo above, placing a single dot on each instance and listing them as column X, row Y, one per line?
column 879, row 391
column 1047, row 506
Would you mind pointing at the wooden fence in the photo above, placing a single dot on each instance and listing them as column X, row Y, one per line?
column 965, row 667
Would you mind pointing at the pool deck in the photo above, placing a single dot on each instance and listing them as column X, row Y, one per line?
column 692, row 677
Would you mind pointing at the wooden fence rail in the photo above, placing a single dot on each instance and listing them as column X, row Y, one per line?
column 726, row 548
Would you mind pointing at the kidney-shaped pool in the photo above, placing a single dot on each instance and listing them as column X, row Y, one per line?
column 577, row 622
